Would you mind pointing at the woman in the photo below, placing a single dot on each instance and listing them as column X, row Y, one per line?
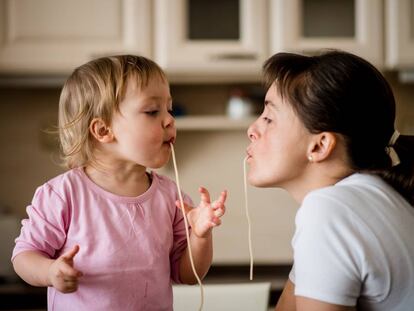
column 327, row 136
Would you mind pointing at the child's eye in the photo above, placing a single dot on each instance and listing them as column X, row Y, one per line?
column 152, row 112
column 171, row 112
column 267, row 120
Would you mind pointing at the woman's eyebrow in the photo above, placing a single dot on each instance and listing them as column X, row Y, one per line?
column 270, row 103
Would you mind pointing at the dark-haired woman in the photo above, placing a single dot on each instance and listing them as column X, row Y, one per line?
column 327, row 136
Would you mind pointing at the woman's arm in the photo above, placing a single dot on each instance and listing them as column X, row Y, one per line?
column 307, row 304
column 289, row 302
column 287, row 299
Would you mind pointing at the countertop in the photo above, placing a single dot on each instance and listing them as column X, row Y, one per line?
column 17, row 295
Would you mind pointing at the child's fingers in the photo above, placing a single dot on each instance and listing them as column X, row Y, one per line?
column 187, row 208
column 70, row 279
column 216, row 205
column 223, row 197
column 219, row 212
column 71, row 254
column 70, row 286
column 205, row 195
column 219, row 203
column 69, row 272
column 216, row 221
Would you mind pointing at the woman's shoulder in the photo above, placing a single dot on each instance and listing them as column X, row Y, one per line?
column 354, row 188
column 356, row 196
column 332, row 201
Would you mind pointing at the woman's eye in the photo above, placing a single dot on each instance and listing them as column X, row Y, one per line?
column 152, row 112
column 267, row 120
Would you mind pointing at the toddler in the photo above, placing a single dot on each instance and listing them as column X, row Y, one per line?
column 107, row 234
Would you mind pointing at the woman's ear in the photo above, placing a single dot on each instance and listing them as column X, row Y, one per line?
column 321, row 147
column 101, row 131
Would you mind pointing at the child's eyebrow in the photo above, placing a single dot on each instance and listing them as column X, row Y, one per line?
column 158, row 98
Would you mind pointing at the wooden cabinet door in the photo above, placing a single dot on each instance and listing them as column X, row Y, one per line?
column 307, row 26
column 399, row 34
column 211, row 38
column 54, row 36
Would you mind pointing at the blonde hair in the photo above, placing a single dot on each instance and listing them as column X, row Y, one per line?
column 95, row 90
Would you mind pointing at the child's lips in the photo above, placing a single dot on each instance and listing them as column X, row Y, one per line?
column 170, row 141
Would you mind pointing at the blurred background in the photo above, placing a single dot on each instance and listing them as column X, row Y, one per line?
column 212, row 52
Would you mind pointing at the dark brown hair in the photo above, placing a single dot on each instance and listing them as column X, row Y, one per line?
column 342, row 93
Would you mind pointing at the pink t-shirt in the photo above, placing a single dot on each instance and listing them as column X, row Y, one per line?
column 129, row 246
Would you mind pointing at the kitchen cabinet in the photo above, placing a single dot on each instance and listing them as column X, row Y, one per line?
column 307, row 26
column 198, row 40
column 400, row 34
column 55, row 36
column 211, row 38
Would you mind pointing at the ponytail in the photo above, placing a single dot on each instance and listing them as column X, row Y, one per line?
column 401, row 176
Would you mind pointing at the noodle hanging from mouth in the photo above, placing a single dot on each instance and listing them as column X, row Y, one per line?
column 186, row 227
column 248, row 217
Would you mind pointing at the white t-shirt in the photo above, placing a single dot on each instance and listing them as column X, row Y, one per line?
column 354, row 245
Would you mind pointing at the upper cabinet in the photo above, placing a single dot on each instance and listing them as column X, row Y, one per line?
column 400, row 33
column 200, row 40
column 212, row 37
column 55, row 36
column 307, row 26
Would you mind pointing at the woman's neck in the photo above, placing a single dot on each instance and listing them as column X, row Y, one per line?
column 320, row 175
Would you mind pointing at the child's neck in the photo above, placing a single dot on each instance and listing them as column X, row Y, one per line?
column 130, row 181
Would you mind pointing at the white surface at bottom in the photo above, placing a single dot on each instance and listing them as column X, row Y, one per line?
column 220, row 297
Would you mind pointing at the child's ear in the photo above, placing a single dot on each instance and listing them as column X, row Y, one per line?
column 321, row 147
column 101, row 131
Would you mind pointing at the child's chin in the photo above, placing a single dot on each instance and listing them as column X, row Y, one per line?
column 159, row 164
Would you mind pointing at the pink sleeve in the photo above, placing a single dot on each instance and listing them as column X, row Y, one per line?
column 45, row 228
column 180, row 241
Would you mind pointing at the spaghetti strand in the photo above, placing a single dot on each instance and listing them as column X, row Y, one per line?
column 248, row 217
column 190, row 254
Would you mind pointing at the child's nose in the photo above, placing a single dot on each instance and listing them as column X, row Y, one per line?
column 169, row 121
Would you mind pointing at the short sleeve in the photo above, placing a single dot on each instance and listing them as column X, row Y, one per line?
column 45, row 228
column 327, row 254
column 180, row 241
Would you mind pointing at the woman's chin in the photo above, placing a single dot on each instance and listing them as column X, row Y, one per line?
column 256, row 182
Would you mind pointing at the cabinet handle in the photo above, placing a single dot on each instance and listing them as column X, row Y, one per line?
column 234, row 56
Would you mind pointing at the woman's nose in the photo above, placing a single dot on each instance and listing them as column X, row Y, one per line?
column 252, row 132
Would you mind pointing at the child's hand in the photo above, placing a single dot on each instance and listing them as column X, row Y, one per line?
column 62, row 275
column 207, row 215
